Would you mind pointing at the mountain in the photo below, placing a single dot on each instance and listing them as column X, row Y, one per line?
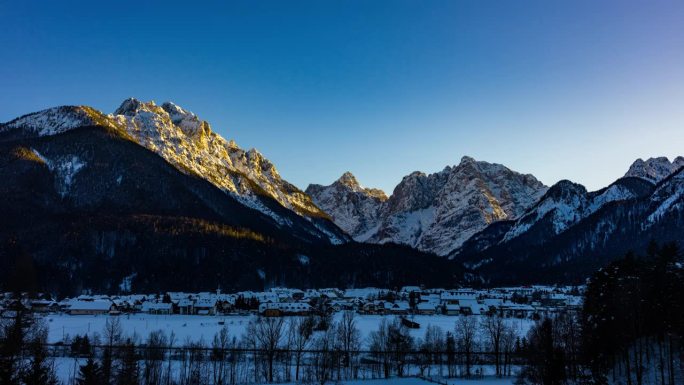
column 435, row 212
column 655, row 169
column 355, row 209
column 87, row 207
column 570, row 232
column 189, row 144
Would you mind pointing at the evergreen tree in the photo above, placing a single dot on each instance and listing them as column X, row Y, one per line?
column 128, row 372
column 90, row 373
column 40, row 370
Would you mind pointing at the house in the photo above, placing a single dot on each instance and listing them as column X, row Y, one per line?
column 342, row 305
column 472, row 307
column 398, row 307
column 94, row 307
column 205, row 306
column 426, row 308
column 284, row 308
column 157, row 308
column 430, row 297
column 44, row 306
column 452, row 309
column 185, row 306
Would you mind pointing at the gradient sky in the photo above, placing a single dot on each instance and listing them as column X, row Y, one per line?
column 560, row 89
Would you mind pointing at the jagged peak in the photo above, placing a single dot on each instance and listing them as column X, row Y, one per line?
column 254, row 152
column 564, row 188
column 415, row 174
column 177, row 113
column 654, row 169
column 129, row 107
column 348, row 179
column 184, row 119
column 467, row 159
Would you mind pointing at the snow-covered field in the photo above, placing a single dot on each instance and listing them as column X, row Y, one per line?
column 194, row 328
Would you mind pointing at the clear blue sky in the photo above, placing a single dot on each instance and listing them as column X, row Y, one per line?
column 561, row 89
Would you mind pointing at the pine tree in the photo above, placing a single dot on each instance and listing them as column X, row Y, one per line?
column 40, row 370
column 128, row 373
column 90, row 373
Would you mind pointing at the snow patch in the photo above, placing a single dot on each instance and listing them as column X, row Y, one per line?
column 65, row 169
column 303, row 259
column 126, row 283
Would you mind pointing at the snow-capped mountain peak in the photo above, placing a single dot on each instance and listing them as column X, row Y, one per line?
column 655, row 169
column 354, row 208
column 435, row 212
column 467, row 159
column 348, row 179
column 563, row 204
column 185, row 141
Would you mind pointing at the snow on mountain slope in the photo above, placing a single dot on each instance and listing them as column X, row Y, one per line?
column 564, row 204
column 454, row 204
column 188, row 143
column 55, row 120
column 435, row 212
column 668, row 197
column 352, row 207
column 655, row 169
column 65, row 168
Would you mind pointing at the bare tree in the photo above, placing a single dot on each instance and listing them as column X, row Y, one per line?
column 508, row 343
column 171, row 340
column 324, row 346
column 250, row 341
column 431, row 348
column 349, row 339
column 218, row 355
column 493, row 328
column 300, row 332
column 465, row 332
column 379, row 342
column 400, row 344
column 112, row 336
column 153, row 358
column 269, row 332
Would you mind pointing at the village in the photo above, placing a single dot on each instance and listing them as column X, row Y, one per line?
column 525, row 302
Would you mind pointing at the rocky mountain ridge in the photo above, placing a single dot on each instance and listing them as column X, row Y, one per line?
column 435, row 212
column 655, row 169
column 87, row 208
column 354, row 208
column 188, row 143
column 570, row 232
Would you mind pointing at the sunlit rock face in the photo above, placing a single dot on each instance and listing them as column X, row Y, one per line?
column 435, row 212
column 187, row 142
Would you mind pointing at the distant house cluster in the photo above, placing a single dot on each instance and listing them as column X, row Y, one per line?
column 518, row 302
